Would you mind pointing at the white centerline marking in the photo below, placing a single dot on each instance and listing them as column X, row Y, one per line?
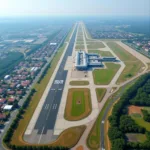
column 41, row 135
column 49, row 109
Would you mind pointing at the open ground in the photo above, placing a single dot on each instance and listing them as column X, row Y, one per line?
column 78, row 104
column 133, row 65
column 104, row 76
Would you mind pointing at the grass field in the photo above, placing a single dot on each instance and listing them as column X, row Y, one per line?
column 136, row 115
column 147, row 108
column 94, row 51
column 101, row 53
column 133, row 65
column 78, row 104
column 80, row 46
column 69, row 34
column 72, row 135
column 95, row 45
column 141, row 122
column 148, row 66
column 106, row 54
column 79, row 38
column 104, row 76
column 79, row 42
column 100, row 92
column 132, row 137
column 79, row 83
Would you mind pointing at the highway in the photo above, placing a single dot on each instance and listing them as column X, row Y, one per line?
column 102, row 125
column 47, row 117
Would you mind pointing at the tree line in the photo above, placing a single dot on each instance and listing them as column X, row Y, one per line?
column 121, row 123
column 44, row 73
column 142, row 97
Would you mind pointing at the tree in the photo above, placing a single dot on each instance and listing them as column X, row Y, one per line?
column 118, row 144
column 114, row 133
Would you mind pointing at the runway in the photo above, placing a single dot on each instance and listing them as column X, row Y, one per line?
column 47, row 118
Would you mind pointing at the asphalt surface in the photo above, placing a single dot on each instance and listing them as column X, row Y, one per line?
column 102, row 125
column 47, row 118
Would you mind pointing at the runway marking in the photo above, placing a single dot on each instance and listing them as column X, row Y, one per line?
column 46, row 106
column 53, row 89
column 59, row 89
column 54, row 106
column 58, row 81
column 49, row 109
column 41, row 135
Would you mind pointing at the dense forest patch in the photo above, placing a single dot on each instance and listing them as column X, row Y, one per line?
column 121, row 123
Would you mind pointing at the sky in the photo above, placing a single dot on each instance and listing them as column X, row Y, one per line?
column 75, row 7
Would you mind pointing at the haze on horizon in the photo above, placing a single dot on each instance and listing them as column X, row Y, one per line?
column 75, row 7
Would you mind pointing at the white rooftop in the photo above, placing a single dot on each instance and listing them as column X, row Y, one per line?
column 7, row 76
column 53, row 43
column 8, row 107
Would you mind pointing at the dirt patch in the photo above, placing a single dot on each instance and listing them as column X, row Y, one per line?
column 134, row 110
column 107, row 125
column 78, row 102
column 133, row 137
column 80, row 148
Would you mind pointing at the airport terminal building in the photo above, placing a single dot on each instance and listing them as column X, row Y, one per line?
column 85, row 60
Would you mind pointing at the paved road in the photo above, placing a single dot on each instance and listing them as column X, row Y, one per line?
column 102, row 126
column 47, row 117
